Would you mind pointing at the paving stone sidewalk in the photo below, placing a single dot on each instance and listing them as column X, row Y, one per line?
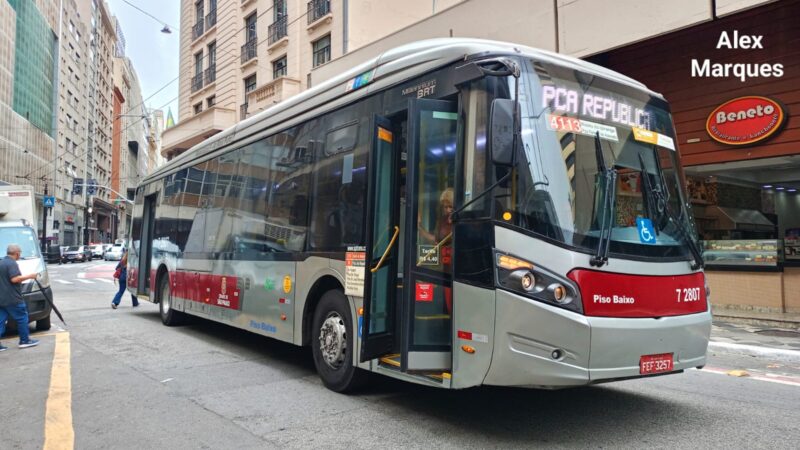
column 762, row 336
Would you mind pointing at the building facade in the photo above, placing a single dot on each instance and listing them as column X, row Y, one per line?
column 742, row 182
column 239, row 57
column 743, row 170
column 28, row 65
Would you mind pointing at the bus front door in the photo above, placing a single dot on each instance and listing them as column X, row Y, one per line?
column 428, row 295
column 379, row 329
column 408, row 283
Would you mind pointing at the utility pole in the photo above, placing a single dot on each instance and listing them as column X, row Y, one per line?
column 44, row 219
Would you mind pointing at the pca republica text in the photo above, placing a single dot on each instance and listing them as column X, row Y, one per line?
column 742, row 71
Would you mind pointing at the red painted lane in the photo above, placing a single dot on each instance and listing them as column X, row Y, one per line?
column 104, row 271
column 621, row 295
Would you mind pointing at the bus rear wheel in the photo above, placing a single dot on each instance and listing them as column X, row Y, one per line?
column 332, row 343
column 169, row 316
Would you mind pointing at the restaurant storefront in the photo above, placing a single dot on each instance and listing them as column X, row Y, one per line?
column 734, row 87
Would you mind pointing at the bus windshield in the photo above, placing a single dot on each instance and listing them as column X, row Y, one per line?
column 22, row 236
column 577, row 127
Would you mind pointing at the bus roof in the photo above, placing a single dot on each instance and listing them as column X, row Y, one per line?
column 391, row 67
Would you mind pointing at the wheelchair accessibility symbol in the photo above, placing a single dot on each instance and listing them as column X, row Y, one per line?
column 647, row 234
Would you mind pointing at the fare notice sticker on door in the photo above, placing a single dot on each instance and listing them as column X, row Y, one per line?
column 354, row 266
column 424, row 292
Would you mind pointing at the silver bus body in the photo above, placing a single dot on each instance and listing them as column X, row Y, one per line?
column 499, row 337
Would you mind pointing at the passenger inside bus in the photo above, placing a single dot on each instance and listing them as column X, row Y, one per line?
column 441, row 238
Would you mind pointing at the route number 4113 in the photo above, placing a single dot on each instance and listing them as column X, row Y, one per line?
column 688, row 294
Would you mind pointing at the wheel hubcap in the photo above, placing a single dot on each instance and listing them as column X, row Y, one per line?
column 165, row 300
column 333, row 340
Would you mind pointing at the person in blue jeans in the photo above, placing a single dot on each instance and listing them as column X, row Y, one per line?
column 123, row 283
column 12, row 304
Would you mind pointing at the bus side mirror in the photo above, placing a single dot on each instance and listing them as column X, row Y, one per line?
column 501, row 131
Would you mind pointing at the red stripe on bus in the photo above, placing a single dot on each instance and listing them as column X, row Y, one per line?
column 607, row 294
column 217, row 290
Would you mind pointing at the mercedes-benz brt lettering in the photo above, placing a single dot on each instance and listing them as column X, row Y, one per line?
column 454, row 212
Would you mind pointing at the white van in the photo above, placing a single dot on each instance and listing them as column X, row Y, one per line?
column 17, row 226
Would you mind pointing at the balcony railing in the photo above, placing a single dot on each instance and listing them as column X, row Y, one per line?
column 197, row 29
column 243, row 111
column 197, row 82
column 211, row 74
column 249, row 50
column 318, row 9
column 277, row 30
column 211, row 19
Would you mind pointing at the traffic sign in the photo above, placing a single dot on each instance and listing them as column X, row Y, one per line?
column 49, row 201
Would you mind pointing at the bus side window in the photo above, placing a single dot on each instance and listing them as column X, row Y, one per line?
column 339, row 196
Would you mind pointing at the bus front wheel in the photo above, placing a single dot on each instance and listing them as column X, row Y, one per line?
column 169, row 316
column 332, row 343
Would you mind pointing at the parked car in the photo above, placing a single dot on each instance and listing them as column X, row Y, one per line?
column 76, row 253
column 98, row 250
column 114, row 253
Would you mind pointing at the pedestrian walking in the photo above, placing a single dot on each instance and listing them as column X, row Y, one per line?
column 12, row 304
column 121, row 274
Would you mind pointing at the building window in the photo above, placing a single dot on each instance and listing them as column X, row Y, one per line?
column 279, row 68
column 212, row 54
column 278, row 9
column 250, row 27
column 249, row 84
column 322, row 50
column 211, row 101
column 199, row 12
column 211, row 72
column 198, row 108
column 197, row 79
column 198, row 63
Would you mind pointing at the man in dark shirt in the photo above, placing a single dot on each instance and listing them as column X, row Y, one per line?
column 11, row 301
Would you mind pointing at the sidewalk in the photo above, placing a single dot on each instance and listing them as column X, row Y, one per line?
column 789, row 321
column 757, row 341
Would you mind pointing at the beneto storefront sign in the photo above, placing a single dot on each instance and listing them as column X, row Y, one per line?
column 745, row 120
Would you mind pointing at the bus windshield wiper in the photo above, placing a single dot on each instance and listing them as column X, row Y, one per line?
column 608, row 177
column 656, row 201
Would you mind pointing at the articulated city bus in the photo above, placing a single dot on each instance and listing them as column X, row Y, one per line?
column 454, row 213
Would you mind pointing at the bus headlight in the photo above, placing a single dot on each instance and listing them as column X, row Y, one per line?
column 526, row 279
column 536, row 282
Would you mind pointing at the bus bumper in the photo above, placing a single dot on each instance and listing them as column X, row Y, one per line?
column 538, row 345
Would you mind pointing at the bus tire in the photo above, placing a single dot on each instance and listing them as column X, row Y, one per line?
column 332, row 343
column 169, row 316
column 43, row 324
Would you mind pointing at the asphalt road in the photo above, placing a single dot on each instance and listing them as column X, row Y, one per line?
column 138, row 384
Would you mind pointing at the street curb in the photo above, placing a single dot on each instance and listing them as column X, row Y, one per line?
column 776, row 323
column 754, row 350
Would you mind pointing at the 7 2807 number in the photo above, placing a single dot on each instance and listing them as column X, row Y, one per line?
column 688, row 294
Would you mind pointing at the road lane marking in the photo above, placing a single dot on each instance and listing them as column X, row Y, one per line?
column 768, row 377
column 85, row 281
column 104, row 280
column 64, row 281
column 58, row 431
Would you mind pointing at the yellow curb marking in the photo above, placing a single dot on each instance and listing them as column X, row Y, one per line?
column 58, row 431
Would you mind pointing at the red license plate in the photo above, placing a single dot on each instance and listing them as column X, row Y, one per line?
column 649, row 364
